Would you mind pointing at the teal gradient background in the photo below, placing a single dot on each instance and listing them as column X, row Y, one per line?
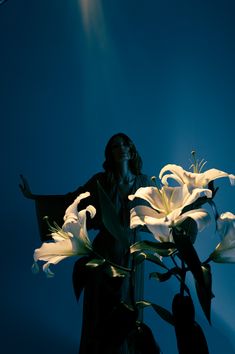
column 72, row 73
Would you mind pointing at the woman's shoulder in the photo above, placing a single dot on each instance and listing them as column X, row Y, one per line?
column 91, row 184
column 97, row 177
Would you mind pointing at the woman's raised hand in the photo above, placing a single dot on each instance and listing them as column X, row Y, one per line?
column 24, row 186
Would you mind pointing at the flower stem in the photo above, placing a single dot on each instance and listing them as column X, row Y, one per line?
column 183, row 276
column 181, row 279
column 112, row 263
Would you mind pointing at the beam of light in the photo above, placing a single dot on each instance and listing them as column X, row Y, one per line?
column 100, row 62
column 93, row 20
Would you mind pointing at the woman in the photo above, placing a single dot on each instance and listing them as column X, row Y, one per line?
column 109, row 311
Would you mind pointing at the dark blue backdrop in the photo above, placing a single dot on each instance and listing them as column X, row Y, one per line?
column 72, row 74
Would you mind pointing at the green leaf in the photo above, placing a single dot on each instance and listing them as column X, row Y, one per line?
column 164, row 276
column 110, row 217
column 149, row 257
column 201, row 273
column 183, row 310
column 204, row 293
column 188, row 253
column 162, row 248
column 142, row 340
column 139, row 258
column 189, row 227
column 113, row 271
column 96, row 262
column 161, row 311
column 189, row 335
column 160, row 276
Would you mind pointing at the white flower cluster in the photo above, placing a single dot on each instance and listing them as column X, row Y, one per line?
column 70, row 240
column 167, row 205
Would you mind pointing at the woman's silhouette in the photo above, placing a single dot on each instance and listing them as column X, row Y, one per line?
column 109, row 312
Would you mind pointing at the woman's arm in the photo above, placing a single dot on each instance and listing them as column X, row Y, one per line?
column 26, row 191
column 54, row 206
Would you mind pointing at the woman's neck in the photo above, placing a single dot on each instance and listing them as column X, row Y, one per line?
column 123, row 171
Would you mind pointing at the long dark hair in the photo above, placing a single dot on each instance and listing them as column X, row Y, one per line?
column 135, row 162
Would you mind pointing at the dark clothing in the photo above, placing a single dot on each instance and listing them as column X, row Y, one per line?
column 103, row 294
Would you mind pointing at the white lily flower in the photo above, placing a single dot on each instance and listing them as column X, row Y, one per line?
column 71, row 213
column 192, row 179
column 70, row 240
column 166, row 209
column 226, row 225
column 225, row 250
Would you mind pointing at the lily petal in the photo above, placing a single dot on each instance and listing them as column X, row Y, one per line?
column 225, row 250
column 170, row 198
column 227, row 256
column 155, row 222
column 70, row 240
column 178, row 174
column 53, row 251
column 151, row 195
column 192, row 178
column 201, row 217
column 195, row 194
column 226, row 225
column 213, row 174
column 71, row 212
column 78, row 227
column 60, row 235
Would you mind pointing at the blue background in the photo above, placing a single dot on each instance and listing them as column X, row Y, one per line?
column 72, row 74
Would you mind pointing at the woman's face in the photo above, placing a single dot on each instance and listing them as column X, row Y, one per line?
column 120, row 150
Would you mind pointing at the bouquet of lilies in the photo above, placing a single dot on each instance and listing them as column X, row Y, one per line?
column 173, row 213
column 174, row 216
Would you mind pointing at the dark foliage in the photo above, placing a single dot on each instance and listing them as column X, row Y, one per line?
column 189, row 335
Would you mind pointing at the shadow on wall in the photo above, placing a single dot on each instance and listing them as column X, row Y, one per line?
column 219, row 335
column 35, row 338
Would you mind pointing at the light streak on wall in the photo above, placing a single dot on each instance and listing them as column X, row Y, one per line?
column 93, row 21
